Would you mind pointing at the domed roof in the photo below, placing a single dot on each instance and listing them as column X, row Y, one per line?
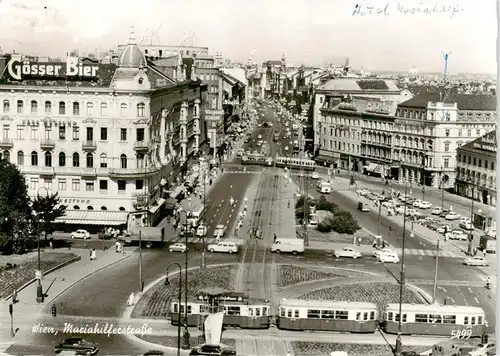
column 132, row 57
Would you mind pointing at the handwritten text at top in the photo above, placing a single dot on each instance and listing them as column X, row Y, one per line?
column 393, row 8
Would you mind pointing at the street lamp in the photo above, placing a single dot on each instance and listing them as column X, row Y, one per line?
column 442, row 188
column 39, row 290
column 203, row 265
column 186, row 336
column 167, row 282
column 469, row 247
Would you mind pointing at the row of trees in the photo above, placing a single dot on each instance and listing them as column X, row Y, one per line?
column 341, row 221
column 22, row 220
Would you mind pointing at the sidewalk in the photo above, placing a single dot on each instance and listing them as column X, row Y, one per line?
column 285, row 208
column 27, row 310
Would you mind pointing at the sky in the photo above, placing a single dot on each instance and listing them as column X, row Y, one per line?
column 306, row 31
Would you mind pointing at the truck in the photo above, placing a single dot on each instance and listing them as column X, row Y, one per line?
column 488, row 244
column 294, row 246
column 147, row 235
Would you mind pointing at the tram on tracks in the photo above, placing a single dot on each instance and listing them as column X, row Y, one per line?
column 438, row 320
column 327, row 315
column 239, row 311
column 256, row 159
column 295, row 163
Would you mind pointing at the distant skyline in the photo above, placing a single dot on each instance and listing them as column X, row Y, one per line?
column 307, row 31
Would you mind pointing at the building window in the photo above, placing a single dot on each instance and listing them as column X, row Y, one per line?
column 34, row 106
column 75, row 185
column 34, row 133
column 62, row 108
column 89, row 187
column 104, row 160
column 446, row 163
column 123, row 109
column 104, row 109
column 469, row 133
column 48, row 133
column 34, row 158
column 123, row 161
column 48, row 183
column 122, row 185
column 478, row 132
column 447, row 133
column 20, row 132
column 103, row 184
column 76, row 160
column 90, row 160
column 492, row 166
column 460, row 133
column 20, row 158
column 90, row 108
column 141, row 110
column 48, row 159
column 104, row 133
column 76, row 133
column 447, row 147
column 139, row 184
column 48, row 107
column 34, row 183
column 139, row 135
column 62, row 132
column 62, row 159
column 20, row 106
column 123, row 134
column 61, row 184
column 76, row 108
column 6, row 106
column 90, row 134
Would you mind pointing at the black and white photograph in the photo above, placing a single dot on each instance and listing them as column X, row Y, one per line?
column 248, row 177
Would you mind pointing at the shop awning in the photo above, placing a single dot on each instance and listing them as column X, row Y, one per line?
column 93, row 217
column 379, row 169
column 371, row 167
column 157, row 205
column 325, row 158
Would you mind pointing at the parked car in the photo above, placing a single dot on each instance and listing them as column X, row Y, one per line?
column 476, row 261
column 482, row 349
column 348, row 252
column 315, row 175
column 437, row 210
column 377, row 253
column 417, row 203
column 153, row 353
column 452, row 216
column 80, row 234
column 443, row 229
column 220, row 231
column 227, row 247
column 178, row 247
column 201, row 230
column 457, row 234
column 77, row 344
column 466, row 225
column 425, row 205
column 212, row 350
column 391, row 257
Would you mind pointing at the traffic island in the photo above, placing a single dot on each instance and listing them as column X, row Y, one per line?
column 155, row 302
column 289, row 275
column 18, row 271
column 171, row 341
column 308, row 348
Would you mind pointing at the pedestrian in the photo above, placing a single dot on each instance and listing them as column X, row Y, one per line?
column 210, row 181
column 120, row 247
column 359, row 241
column 117, row 246
column 275, row 238
column 90, row 254
column 131, row 299
column 93, row 255
column 288, row 203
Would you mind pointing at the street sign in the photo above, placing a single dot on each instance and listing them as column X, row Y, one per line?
column 38, row 274
column 214, row 112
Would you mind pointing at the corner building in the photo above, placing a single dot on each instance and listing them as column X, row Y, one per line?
column 107, row 143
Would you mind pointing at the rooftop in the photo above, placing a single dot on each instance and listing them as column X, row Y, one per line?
column 486, row 143
column 480, row 102
column 365, row 85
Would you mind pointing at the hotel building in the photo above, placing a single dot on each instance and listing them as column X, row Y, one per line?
column 106, row 137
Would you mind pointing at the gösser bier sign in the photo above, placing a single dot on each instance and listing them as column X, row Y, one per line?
column 18, row 69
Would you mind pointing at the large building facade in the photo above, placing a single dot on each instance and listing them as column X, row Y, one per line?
column 103, row 136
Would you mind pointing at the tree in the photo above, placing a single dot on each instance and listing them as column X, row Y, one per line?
column 344, row 224
column 15, row 211
column 46, row 209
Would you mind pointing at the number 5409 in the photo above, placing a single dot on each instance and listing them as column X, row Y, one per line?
column 461, row 334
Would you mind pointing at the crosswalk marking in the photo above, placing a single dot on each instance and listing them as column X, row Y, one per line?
column 422, row 252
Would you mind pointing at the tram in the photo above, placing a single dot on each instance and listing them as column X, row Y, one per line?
column 295, row 163
column 256, row 159
column 327, row 315
column 440, row 320
column 239, row 311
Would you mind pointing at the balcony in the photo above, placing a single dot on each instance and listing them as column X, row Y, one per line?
column 88, row 172
column 141, row 146
column 89, row 145
column 132, row 172
column 196, row 130
column 183, row 140
column 47, row 144
column 182, row 120
column 6, row 143
column 46, row 171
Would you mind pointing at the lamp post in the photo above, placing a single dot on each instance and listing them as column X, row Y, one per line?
column 469, row 247
column 39, row 290
column 203, row 265
column 186, row 336
column 434, row 289
column 179, row 298
column 442, row 188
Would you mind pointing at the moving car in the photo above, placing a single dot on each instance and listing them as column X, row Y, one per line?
column 452, row 216
column 425, row 205
column 77, row 344
column 482, row 349
column 240, row 152
column 466, row 225
column 442, row 229
column 476, row 261
column 226, row 247
column 178, row 247
column 259, row 137
column 153, row 353
column 315, row 175
column 212, row 350
column 457, row 234
column 417, row 203
column 388, row 257
column 220, row 231
column 80, row 234
column 437, row 210
column 347, row 252
column 294, row 246
column 201, row 230
column 377, row 253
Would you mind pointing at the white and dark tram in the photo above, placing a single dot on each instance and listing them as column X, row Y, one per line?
column 434, row 319
column 239, row 311
column 256, row 159
column 295, row 163
column 327, row 315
